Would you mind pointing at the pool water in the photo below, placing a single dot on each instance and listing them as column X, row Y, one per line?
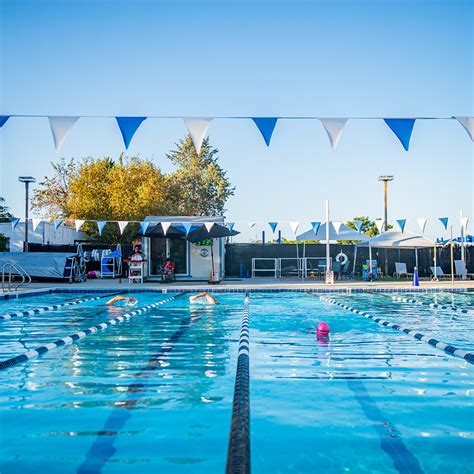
column 155, row 392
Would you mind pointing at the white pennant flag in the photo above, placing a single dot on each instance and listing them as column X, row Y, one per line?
column 251, row 224
column 468, row 124
column 334, row 128
column 379, row 224
column 122, row 225
column 422, row 223
column 358, row 225
column 78, row 224
column 36, row 221
column 294, row 226
column 165, row 226
column 209, row 226
column 60, row 127
column 197, row 128
column 337, row 226
column 464, row 220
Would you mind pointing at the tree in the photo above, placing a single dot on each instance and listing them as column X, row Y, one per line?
column 5, row 214
column 199, row 186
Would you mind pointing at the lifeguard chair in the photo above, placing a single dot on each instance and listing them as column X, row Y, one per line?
column 136, row 267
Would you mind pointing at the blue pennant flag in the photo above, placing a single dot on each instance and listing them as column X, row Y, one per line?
column 266, row 126
column 128, row 126
column 187, row 227
column 101, row 225
column 273, row 226
column 401, row 223
column 402, row 128
column 15, row 222
column 57, row 223
column 315, row 226
column 230, row 226
column 3, row 120
column 444, row 221
column 144, row 226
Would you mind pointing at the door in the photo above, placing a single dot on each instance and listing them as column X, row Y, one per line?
column 157, row 255
column 177, row 251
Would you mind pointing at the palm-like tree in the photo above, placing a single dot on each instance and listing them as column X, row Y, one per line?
column 5, row 214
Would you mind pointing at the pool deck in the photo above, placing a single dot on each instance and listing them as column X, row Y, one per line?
column 259, row 284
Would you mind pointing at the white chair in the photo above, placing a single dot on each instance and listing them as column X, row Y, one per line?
column 439, row 273
column 400, row 270
column 461, row 269
column 136, row 269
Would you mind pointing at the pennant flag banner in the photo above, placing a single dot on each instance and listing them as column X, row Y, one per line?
column 15, row 222
column 266, row 125
column 466, row 122
column 197, row 128
column 165, row 226
column 358, row 225
column 251, row 224
column 315, row 226
column 60, row 127
column 57, row 223
column 230, row 226
column 379, row 224
column 334, row 128
column 337, row 226
column 101, row 225
column 464, row 220
column 209, row 226
column 401, row 223
column 444, row 221
column 128, row 126
column 36, row 221
column 122, row 225
column 144, row 226
column 422, row 223
column 294, row 226
column 187, row 227
column 3, row 120
column 273, row 226
column 403, row 129
column 78, row 224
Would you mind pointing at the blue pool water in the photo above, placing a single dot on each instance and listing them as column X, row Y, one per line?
column 155, row 392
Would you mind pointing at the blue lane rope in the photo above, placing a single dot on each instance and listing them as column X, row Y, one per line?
column 432, row 305
column 448, row 349
column 5, row 364
column 238, row 454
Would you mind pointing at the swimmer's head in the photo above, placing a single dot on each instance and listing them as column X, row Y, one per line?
column 322, row 331
column 131, row 302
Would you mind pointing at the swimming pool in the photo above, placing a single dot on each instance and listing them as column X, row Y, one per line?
column 155, row 391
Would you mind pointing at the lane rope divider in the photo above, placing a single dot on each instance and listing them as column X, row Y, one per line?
column 238, row 454
column 431, row 305
column 43, row 309
column 448, row 349
column 5, row 364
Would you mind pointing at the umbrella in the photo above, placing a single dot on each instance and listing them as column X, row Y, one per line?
column 216, row 232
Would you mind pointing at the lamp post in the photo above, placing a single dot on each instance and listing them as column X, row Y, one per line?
column 385, row 179
column 27, row 180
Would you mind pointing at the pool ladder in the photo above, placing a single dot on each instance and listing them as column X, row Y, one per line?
column 9, row 273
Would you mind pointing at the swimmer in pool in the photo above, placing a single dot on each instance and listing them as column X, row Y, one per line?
column 128, row 301
column 203, row 298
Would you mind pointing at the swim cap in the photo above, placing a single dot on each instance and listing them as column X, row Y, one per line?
column 322, row 329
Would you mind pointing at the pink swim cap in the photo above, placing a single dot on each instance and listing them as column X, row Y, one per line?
column 322, row 328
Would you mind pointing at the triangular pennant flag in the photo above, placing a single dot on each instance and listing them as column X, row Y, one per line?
column 209, row 226
column 379, row 224
column 422, row 223
column 294, row 226
column 57, row 223
column 402, row 128
column 337, row 226
column 266, row 125
column 444, row 221
column 165, row 226
column 36, row 221
column 101, row 225
column 122, row 225
column 315, row 226
column 128, row 126
column 358, row 225
column 144, row 226
column 60, row 127
column 15, row 222
column 78, row 224
column 401, row 223
column 464, row 220
column 273, row 226
column 230, row 226
column 3, row 120
column 251, row 224
column 187, row 227
column 334, row 128
column 197, row 128
column 466, row 122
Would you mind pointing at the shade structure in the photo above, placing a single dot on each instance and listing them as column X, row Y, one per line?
column 396, row 239
column 217, row 231
column 345, row 233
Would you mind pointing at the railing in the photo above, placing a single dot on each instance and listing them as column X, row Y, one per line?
column 274, row 269
column 13, row 270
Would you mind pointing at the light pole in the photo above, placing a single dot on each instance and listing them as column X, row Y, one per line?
column 27, row 180
column 385, row 179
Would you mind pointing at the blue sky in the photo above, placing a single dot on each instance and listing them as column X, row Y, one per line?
column 262, row 58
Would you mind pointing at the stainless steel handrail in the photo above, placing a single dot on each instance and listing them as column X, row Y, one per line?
column 17, row 270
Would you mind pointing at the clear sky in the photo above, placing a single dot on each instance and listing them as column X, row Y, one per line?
column 264, row 58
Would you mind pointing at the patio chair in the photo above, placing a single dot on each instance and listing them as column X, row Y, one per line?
column 336, row 268
column 461, row 269
column 400, row 270
column 345, row 270
column 439, row 273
